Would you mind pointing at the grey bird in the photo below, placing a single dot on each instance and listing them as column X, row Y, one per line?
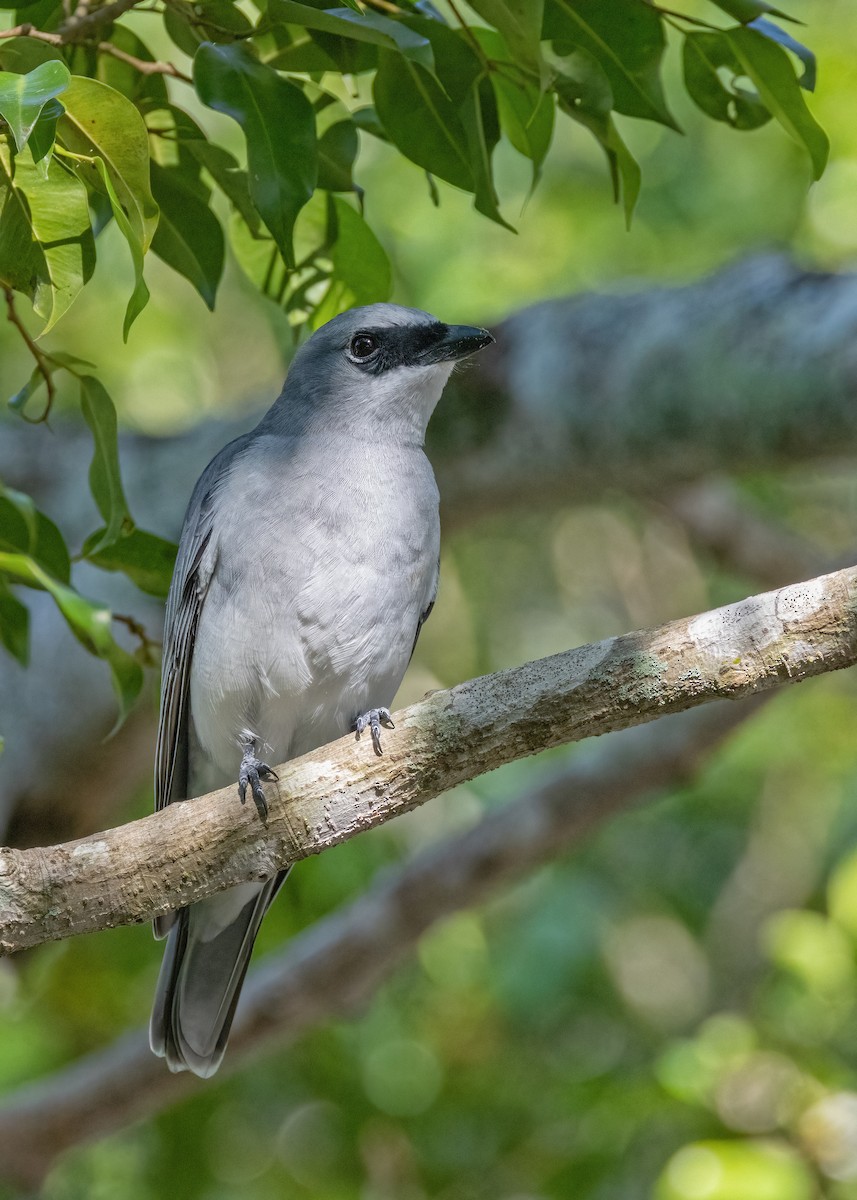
column 307, row 564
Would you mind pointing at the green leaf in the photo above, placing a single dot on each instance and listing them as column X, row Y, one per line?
column 140, row 295
column 22, row 54
column 360, row 268
column 421, row 120
column 770, row 69
column 22, row 97
column 520, row 24
column 337, row 150
column 24, row 528
column 745, row 11
column 146, row 559
column 358, row 26
column 279, row 125
column 105, row 481
column 526, row 113
column 627, row 39
column 43, row 136
column 704, row 55
column 88, row 621
column 189, row 237
column 14, row 625
column 769, row 30
column 47, row 250
column 583, row 92
column 479, row 118
column 101, row 123
column 189, row 25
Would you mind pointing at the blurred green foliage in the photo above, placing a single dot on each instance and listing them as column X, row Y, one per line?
column 672, row 1011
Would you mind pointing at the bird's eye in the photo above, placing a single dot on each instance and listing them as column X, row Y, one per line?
column 362, row 345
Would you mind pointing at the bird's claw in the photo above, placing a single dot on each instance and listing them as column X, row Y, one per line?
column 253, row 771
column 373, row 720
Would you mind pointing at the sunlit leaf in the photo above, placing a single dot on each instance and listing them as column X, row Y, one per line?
column 89, row 622
column 100, row 122
column 22, row 97
column 46, row 245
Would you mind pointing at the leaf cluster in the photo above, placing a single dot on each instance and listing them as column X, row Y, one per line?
column 95, row 130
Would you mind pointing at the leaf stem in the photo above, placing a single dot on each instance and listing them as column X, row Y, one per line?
column 41, row 359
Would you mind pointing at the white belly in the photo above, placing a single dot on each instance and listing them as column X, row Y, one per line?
column 312, row 609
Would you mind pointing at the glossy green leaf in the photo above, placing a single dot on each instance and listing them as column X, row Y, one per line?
column 105, row 480
column 143, row 89
column 22, row 54
column 279, row 125
column 89, row 622
column 22, row 97
column 421, row 120
column 189, row 237
column 337, row 150
column 360, row 268
column 139, row 297
column 745, row 11
column 43, row 136
column 525, row 112
column 191, row 24
column 520, row 24
column 479, row 119
column 770, row 69
column 47, row 250
column 584, row 94
column 146, row 559
column 770, row 30
column 704, row 56
column 229, row 177
column 627, row 39
column 24, row 528
column 370, row 27
column 14, row 625
column 101, row 123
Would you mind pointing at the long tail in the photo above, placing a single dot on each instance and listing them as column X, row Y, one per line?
column 205, row 961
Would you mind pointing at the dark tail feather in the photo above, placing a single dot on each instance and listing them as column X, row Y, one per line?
column 205, row 961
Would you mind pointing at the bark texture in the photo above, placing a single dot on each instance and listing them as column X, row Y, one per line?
column 193, row 849
column 334, row 967
column 753, row 367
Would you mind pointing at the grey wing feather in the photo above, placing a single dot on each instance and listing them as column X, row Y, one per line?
column 191, row 578
column 426, row 613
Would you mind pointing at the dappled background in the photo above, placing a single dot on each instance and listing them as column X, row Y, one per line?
column 671, row 1011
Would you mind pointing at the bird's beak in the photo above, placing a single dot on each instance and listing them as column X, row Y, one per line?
column 458, row 342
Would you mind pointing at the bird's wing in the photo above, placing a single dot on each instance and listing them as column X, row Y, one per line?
column 426, row 613
column 191, row 577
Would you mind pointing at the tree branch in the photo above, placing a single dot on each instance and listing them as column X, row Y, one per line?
column 191, row 850
column 334, row 967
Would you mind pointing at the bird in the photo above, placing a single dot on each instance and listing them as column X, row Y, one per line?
column 307, row 565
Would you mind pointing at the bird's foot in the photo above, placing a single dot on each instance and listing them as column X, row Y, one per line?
column 373, row 720
column 253, row 771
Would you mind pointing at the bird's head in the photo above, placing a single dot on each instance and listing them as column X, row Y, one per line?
column 379, row 370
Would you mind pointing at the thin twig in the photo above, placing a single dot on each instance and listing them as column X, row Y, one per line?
column 76, row 26
column 471, row 37
column 143, row 65
column 149, row 647
column 40, row 357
